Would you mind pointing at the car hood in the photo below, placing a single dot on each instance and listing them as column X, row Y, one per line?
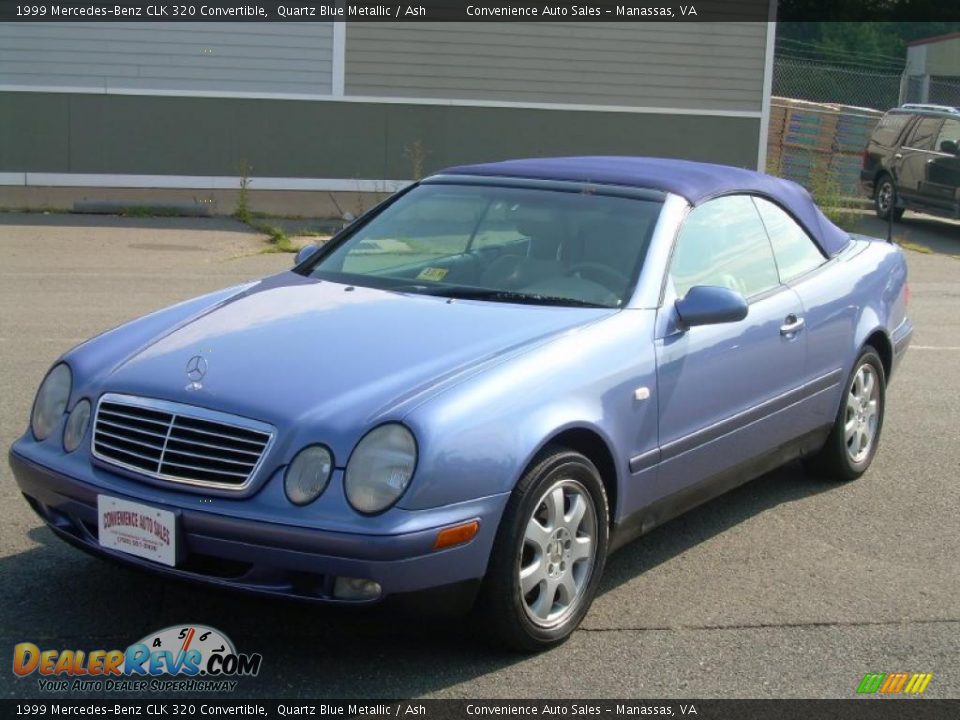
column 292, row 350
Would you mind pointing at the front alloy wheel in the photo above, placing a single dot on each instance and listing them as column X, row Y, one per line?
column 557, row 553
column 548, row 554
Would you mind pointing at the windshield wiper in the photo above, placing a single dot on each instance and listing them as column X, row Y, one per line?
column 508, row 296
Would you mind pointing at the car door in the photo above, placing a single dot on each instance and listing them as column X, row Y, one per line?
column 724, row 388
column 943, row 168
column 910, row 162
column 828, row 315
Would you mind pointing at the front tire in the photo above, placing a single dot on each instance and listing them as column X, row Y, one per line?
column 885, row 199
column 855, row 437
column 549, row 553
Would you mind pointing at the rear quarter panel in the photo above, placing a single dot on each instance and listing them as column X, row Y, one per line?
column 856, row 294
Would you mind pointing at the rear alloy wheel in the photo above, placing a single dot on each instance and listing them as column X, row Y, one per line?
column 862, row 414
column 885, row 199
column 549, row 553
column 855, row 436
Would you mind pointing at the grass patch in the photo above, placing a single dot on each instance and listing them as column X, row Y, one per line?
column 143, row 211
column 907, row 245
column 35, row 211
column 278, row 239
column 276, row 236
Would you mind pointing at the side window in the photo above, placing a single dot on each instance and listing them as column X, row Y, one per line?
column 793, row 249
column 723, row 242
column 923, row 133
column 889, row 128
column 950, row 132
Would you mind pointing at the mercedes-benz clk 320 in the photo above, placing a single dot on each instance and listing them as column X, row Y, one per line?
column 478, row 390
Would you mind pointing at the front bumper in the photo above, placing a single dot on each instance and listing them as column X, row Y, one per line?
column 272, row 558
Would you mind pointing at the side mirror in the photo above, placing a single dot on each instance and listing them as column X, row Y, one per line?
column 949, row 146
column 305, row 253
column 710, row 305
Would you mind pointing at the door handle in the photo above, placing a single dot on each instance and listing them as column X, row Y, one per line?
column 791, row 325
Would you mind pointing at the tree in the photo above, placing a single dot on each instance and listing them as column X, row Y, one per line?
column 870, row 33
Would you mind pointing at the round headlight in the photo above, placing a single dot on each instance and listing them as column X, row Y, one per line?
column 76, row 425
column 380, row 468
column 307, row 476
column 51, row 401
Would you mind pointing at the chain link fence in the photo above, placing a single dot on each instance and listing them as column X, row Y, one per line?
column 830, row 83
column 942, row 91
column 819, row 82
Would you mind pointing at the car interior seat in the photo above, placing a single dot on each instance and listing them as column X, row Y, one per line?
column 546, row 237
column 607, row 250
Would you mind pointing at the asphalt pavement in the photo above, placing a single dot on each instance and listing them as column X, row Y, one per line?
column 786, row 587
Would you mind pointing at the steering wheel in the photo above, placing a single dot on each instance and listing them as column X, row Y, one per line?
column 604, row 275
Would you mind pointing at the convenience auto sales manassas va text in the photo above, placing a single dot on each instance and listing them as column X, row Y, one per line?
column 510, row 11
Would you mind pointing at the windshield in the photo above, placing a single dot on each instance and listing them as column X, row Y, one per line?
column 501, row 244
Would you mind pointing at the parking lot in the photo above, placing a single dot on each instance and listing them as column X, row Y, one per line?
column 787, row 587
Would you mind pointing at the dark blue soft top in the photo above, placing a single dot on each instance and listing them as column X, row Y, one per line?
column 694, row 181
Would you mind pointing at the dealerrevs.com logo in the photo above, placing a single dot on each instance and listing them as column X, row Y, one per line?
column 185, row 658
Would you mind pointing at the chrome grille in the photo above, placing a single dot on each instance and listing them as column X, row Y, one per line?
column 179, row 443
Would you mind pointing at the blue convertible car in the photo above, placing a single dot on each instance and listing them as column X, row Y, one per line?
column 480, row 388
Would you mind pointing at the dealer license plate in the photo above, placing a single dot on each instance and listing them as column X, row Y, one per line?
column 137, row 529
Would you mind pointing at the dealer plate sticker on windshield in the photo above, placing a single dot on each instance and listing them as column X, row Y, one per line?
column 434, row 274
column 137, row 529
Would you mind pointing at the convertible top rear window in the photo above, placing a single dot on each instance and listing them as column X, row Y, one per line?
column 499, row 243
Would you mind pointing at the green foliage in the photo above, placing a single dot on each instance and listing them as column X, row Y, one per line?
column 276, row 236
column 144, row 211
column 242, row 211
column 872, row 39
column 828, row 193
column 855, row 63
column 878, row 46
column 416, row 154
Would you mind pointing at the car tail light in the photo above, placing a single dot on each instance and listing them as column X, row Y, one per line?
column 906, row 294
column 865, row 157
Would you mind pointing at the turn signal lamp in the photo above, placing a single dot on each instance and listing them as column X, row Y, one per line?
column 456, row 535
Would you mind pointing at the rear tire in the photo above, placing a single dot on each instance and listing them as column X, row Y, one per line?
column 548, row 555
column 855, row 437
column 885, row 198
